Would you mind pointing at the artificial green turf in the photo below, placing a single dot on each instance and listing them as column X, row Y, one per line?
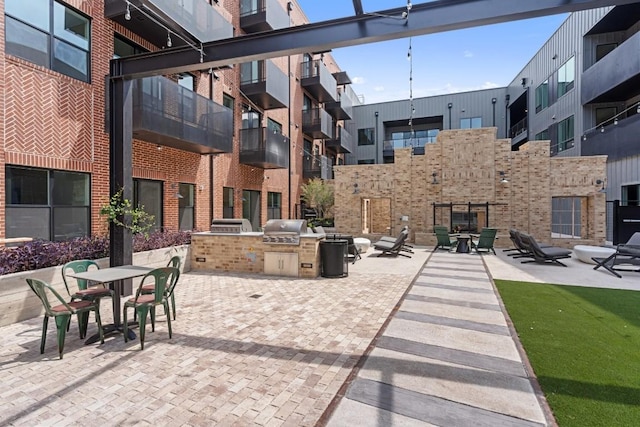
column 584, row 346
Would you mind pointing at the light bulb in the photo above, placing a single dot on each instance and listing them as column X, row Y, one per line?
column 615, row 121
column 584, row 137
column 127, row 14
column 601, row 129
column 169, row 43
column 409, row 5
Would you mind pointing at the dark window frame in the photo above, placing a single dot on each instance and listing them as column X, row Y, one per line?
column 366, row 136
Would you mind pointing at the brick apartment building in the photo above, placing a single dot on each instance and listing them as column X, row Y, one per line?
column 230, row 142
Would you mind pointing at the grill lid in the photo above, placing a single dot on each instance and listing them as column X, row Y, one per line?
column 288, row 226
column 231, row 225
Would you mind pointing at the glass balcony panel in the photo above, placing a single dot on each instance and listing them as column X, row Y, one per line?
column 262, row 15
column 264, row 148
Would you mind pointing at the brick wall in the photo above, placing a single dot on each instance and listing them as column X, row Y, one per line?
column 467, row 164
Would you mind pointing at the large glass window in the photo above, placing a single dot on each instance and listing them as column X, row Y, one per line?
column 186, row 207
column 542, row 96
column 49, row 34
column 366, row 136
column 566, row 77
column 471, row 123
column 47, row 204
column 250, row 118
column 564, row 139
column 227, row 202
column 274, row 205
column 542, row 136
column 566, row 221
column 148, row 195
column 631, row 195
column 123, row 47
column 229, row 102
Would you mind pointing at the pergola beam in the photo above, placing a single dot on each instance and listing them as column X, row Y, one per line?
column 424, row 18
column 357, row 7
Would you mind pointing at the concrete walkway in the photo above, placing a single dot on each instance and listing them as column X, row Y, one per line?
column 272, row 351
column 446, row 358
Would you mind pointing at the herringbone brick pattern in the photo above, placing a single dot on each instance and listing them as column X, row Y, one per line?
column 234, row 359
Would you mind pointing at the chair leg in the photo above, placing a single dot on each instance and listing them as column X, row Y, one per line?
column 153, row 317
column 143, row 310
column 173, row 305
column 83, row 322
column 61, row 325
column 45, row 323
column 125, row 323
column 99, row 322
column 166, row 309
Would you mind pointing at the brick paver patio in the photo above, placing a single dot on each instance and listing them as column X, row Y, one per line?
column 246, row 350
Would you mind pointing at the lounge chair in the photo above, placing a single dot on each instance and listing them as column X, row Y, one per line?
column 405, row 247
column 543, row 255
column 485, row 240
column 393, row 249
column 627, row 253
column 444, row 240
column 523, row 251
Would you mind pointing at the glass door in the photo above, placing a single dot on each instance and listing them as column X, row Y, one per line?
column 251, row 208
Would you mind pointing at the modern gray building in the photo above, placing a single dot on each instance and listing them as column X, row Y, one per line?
column 581, row 91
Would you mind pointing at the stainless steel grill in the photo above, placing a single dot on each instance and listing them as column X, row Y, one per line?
column 231, row 225
column 284, row 231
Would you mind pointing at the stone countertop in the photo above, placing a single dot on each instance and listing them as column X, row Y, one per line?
column 257, row 234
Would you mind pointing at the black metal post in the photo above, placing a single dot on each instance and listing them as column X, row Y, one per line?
column 120, row 161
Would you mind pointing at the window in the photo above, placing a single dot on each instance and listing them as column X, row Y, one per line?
column 49, row 34
column 603, row 50
column 566, row 218
column 229, row 102
column 605, row 115
column 47, row 204
column 631, row 195
column 250, row 72
column 471, row 123
column 366, row 136
column 564, row 140
column 273, row 126
column 123, row 47
column 186, row 204
column 542, row 136
column 307, row 104
column 148, row 195
column 250, row 118
column 274, row 205
column 227, row 202
column 187, row 84
column 542, row 96
column 367, row 162
column 566, row 77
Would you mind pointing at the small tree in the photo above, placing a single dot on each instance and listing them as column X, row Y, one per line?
column 318, row 196
column 121, row 212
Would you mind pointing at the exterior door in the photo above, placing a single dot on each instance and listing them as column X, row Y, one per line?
column 251, row 208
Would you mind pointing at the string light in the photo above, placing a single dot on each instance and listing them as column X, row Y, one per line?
column 169, row 43
column 600, row 125
column 127, row 14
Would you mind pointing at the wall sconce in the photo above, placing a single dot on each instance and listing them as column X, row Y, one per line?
column 524, row 82
column 503, row 178
column 435, row 178
column 601, row 182
column 159, row 147
column 201, row 187
column 494, row 100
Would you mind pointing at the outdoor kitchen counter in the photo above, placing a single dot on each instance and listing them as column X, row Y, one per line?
column 245, row 252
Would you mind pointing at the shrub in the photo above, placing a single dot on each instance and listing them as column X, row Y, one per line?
column 43, row 253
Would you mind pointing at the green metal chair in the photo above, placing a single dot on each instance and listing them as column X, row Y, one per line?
column 163, row 278
column 485, row 240
column 150, row 287
column 444, row 240
column 63, row 312
column 84, row 291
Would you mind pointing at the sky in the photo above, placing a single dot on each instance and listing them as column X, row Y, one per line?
column 448, row 62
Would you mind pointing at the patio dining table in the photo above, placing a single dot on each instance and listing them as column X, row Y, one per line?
column 116, row 277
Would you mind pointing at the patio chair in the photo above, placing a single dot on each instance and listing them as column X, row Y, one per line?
column 543, row 255
column 405, row 247
column 444, row 239
column 62, row 313
column 626, row 254
column 84, row 291
column 149, row 288
column 523, row 250
column 485, row 240
column 164, row 279
column 393, row 249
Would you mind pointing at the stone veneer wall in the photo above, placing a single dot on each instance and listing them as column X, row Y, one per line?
column 467, row 163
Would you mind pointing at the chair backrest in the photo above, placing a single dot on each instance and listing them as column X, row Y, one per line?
column 397, row 245
column 634, row 239
column 173, row 281
column 174, row 262
column 517, row 241
column 530, row 243
column 79, row 266
column 442, row 235
column 42, row 290
column 487, row 238
column 161, row 278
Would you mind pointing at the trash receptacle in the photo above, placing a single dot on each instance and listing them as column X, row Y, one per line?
column 333, row 258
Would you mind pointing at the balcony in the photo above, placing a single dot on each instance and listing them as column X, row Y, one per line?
column 342, row 142
column 179, row 118
column 264, row 148
column 262, row 15
column 342, row 109
column 389, row 145
column 615, row 77
column 617, row 141
column 264, row 84
column 318, row 81
column 195, row 20
column 316, row 167
column 317, row 123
